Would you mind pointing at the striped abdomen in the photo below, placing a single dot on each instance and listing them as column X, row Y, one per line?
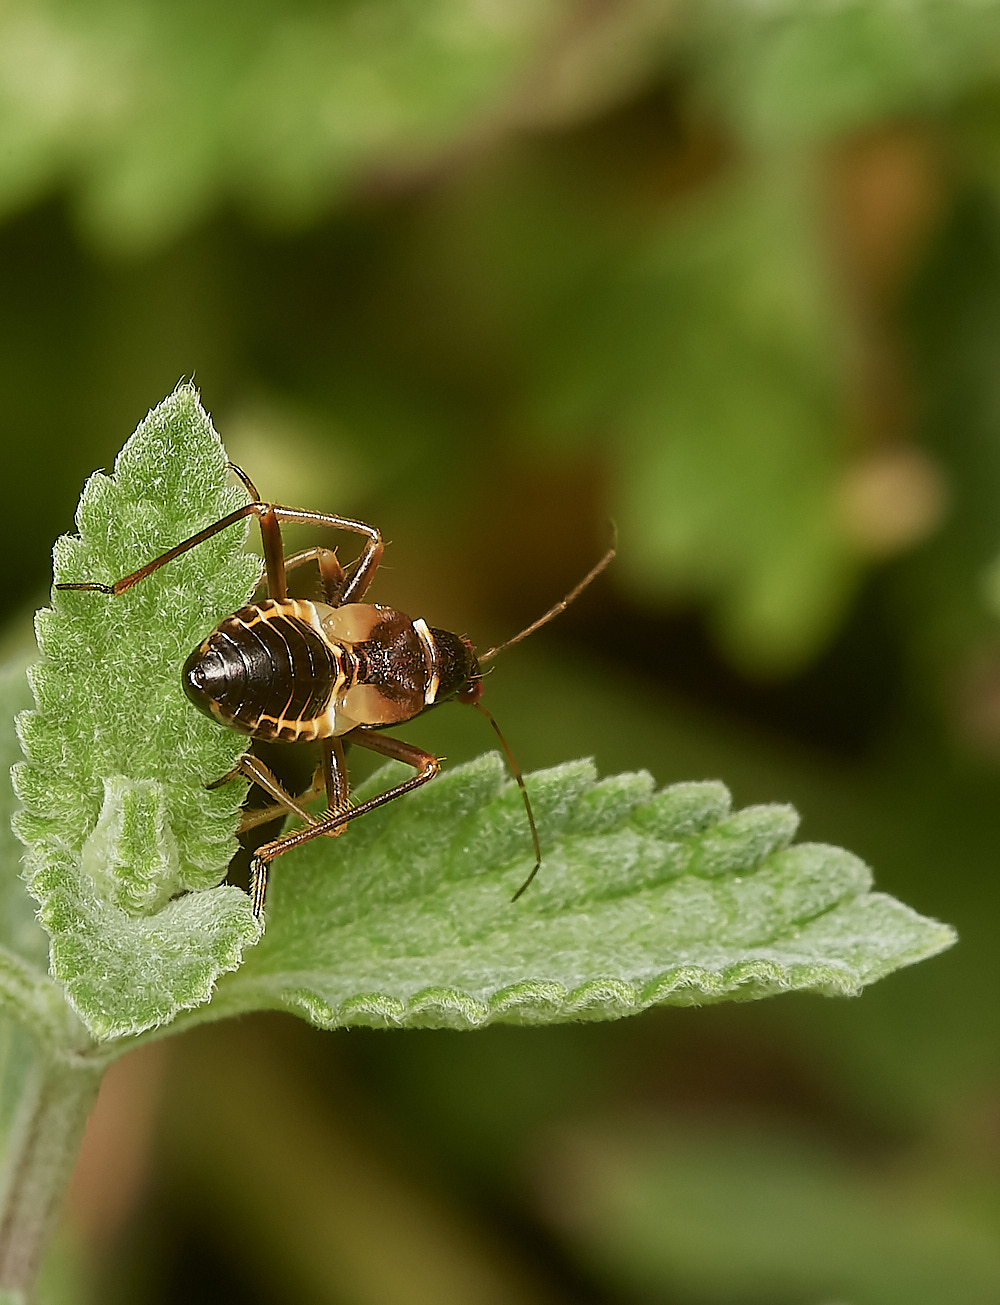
column 269, row 670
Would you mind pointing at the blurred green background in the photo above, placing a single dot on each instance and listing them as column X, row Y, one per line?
column 491, row 274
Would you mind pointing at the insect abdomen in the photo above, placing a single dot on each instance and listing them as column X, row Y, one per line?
column 268, row 671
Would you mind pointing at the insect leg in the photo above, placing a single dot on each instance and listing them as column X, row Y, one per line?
column 334, row 767
column 329, row 778
column 270, row 516
column 126, row 582
column 253, row 768
column 270, row 538
column 274, row 553
column 367, row 564
column 425, row 765
column 257, row 816
column 334, row 779
column 332, row 574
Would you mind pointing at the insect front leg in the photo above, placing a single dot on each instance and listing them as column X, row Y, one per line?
column 425, row 765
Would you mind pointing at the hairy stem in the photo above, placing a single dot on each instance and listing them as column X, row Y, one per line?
column 44, row 1127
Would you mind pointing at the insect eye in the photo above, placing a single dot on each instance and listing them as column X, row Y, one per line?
column 471, row 694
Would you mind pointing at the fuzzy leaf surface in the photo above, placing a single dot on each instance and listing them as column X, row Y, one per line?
column 126, row 847
column 643, row 898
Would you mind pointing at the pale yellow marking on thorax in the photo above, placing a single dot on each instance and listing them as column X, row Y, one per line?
column 430, row 657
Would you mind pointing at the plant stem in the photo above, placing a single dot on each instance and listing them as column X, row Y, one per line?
column 45, row 1104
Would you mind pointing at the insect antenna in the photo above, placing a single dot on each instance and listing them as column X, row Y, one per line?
column 559, row 607
column 516, row 772
column 473, row 700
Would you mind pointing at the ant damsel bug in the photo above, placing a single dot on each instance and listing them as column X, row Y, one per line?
column 290, row 670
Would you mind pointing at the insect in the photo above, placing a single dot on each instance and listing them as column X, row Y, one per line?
column 337, row 671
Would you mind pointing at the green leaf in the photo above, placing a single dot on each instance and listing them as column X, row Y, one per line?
column 19, row 931
column 280, row 111
column 643, row 898
column 27, row 994
column 116, row 816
